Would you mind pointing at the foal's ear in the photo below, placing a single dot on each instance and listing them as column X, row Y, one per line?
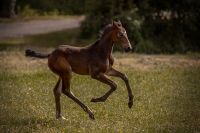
column 115, row 24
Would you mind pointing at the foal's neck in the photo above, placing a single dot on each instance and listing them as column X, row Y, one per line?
column 105, row 46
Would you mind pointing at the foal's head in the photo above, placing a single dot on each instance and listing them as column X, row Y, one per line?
column 119, row 35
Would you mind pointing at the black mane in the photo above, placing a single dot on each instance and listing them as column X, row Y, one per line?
column 102, row 33
column 105, row 30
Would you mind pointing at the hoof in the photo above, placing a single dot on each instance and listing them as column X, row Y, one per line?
column 60, row 118
column 91, row 116
column 94, row 100
column 130, row 104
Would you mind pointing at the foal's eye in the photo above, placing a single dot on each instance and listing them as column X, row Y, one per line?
column 120, row 34
column 119, row 25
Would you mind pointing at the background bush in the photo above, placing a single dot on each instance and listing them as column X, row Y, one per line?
column 58, row 7
column 153, row 26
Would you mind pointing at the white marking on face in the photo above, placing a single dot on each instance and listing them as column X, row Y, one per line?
column 120, row 34
column 124, row 32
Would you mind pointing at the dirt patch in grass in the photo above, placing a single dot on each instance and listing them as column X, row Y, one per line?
column 145, row 62
column 16, row 61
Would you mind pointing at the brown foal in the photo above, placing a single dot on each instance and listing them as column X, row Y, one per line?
column 95, row 60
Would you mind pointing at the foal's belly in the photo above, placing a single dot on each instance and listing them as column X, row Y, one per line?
column 82, row 70
column 79, row 65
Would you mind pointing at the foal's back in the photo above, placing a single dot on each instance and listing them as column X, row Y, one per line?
column 77, row 58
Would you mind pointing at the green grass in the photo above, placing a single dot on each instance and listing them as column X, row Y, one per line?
column 167, row 99
column 166, row 90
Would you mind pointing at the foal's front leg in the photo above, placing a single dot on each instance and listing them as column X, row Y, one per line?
column 102, row 78
column 113, row 72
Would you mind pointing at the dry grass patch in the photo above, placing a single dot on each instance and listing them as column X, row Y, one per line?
column 146, row 62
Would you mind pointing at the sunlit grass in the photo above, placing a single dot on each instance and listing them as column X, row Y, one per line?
column 167, row 99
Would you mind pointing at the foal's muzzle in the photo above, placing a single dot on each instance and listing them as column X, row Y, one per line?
column 128, row 49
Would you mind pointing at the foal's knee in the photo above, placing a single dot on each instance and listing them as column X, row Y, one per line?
column 57, row 91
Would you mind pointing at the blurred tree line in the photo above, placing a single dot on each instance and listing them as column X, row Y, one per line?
column 170, row 25
column 154, row 26
column 41, row 7
column 62, row 7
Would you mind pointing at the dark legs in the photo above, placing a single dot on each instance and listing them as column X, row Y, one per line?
column 65, row 89
column 113, row 72
column 57, row 93
column 102, row 78
column 67, row 92
column 61, row 67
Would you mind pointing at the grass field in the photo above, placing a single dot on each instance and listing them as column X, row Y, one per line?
column 166, row 90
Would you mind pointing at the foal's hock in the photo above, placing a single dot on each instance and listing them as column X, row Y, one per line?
column 95, row 60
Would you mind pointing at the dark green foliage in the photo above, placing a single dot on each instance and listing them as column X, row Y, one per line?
column 172, row 26
column 62, row 6
column 101, row 13
column 153, row 26
column 4, row 4
column 7, row 8
column 98, row 16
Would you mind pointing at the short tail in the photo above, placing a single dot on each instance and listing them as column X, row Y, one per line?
column 32, row 53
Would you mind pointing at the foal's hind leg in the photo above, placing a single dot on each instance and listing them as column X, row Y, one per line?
column 113, row 72
column 57, row 93
column 66, row 90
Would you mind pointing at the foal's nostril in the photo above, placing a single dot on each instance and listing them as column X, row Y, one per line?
column 128, row 49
